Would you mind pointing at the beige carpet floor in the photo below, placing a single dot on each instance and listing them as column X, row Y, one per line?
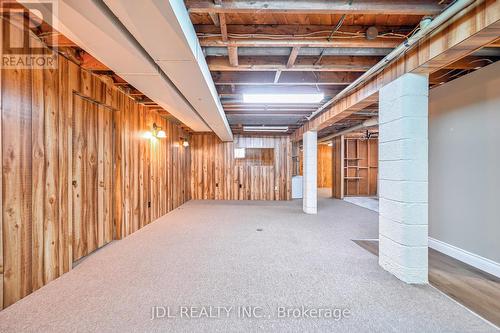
column 212, row 254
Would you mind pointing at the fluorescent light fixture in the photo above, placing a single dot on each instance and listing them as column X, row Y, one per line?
column 283, row 98
column 265, row 128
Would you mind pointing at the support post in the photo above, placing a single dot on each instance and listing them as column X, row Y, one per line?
column 403, row 178
column 310, row 199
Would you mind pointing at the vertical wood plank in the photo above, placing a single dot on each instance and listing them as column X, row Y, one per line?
column 38, row 176
column 16, row 167
column 51, row 195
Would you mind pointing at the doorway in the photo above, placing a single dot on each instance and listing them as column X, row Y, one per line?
column 92, row 170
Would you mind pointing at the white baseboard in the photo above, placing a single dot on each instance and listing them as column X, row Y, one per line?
column 472, row 259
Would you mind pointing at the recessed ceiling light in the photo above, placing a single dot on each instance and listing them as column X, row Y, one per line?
column 283, row 98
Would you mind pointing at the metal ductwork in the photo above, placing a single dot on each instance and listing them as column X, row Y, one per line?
column 164, row 30
column 93, row 27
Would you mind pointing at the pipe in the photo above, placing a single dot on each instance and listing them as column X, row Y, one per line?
column 446, row 15
column 365, row 124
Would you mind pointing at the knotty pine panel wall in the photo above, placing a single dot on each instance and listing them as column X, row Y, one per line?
column 324, row 171
column 217, row 175
column 325, row 154
column 38, row 202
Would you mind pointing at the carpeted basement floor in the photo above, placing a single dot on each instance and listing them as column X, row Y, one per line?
column 211, row 254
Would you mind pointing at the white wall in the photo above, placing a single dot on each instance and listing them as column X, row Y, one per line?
column 464, row 163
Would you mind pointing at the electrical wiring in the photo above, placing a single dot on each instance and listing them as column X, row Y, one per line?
column 339, row 35
column 489, row 61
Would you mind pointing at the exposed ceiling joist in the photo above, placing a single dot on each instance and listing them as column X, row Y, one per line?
column 306, row 30
column 380, row 42
column 233, row 56
column 223, row 26
column 277, row 76
column 226, row 90
column 287, row 78
column 276, row 63
column 292, row 57
column 215, row 18
column 386, row 7
column 285, row 51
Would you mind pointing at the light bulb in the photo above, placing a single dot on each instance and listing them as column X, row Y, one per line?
column 161, row 134
column 185, row 143
column 147, row 135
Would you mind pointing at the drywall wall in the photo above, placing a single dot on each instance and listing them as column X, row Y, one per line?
column 76, row 170
column 464, row 163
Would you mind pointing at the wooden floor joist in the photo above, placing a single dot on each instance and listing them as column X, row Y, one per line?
column 476, row 26
column 275, row 63
column 389, row 42
column 287, row 78
column 386, row 7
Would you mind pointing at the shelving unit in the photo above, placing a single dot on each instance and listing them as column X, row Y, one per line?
column 360, row 170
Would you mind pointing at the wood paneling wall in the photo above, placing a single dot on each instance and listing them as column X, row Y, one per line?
column 215, row 174
column 41, row 121
column 325, row 173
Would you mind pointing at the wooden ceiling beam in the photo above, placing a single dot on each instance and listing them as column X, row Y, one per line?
column 277, row 63
column 294, row 53
column 223, row 27
column 390, row 42
column 265, row 113
column 386, row 7
column 277, row 76
column 227, row 90
column 215, row 18
column 233, row 56
column 287, row 78
column 296, row 30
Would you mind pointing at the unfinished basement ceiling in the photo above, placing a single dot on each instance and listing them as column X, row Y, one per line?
column 277, row 47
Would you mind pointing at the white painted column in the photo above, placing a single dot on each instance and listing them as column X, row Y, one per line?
column 310, row 170
column 403, row 178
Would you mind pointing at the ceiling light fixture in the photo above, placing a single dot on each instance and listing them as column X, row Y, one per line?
column 156, row 132
column 185, row 142
column 265, row 128
column 283, row 98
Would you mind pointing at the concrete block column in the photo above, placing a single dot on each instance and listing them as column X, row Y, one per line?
column 310, row 170
column 403, row 178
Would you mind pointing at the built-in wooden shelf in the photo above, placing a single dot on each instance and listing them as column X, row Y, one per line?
column 360, row 175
